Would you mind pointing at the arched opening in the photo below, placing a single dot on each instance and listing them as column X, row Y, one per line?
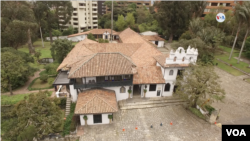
column 171, row 72
column 183, row 59
column 122, row 89
column 175, row 59
column 167, row 87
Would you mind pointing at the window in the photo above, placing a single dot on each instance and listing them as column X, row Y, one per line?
column 106, row 78
column 97, row 118
column 74, row 9
column 214, row 4
column 152, row 87
column 227, row 4
column 175, row 59
column 171, row 72
column 183, row 59
column 167, row 87
column 126, row 77
column 122, row 89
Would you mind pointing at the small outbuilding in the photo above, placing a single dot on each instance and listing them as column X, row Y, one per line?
column 155, row 39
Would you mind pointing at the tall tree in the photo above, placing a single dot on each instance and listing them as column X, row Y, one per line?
column 241, row 18
column 11, row 68
column 37, row 116
column 173, row 17
column 55, row 14
column 130, row 20
column 246, row 5
column 197, row 8
column 60, row 48
column 17, row 21
column 120, row 23
column 199, row 84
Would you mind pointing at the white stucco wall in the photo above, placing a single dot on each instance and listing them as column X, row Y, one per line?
column 104, row 34
column 190, row 55
column 170, row 92
column 73, row 93
column 149, row 33
column 90, row 121
column 151, row 93
column 160, row 44
column 120, row 96
column 170, row 77
column 77, row 38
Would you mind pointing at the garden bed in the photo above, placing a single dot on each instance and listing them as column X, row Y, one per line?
column 37, row 84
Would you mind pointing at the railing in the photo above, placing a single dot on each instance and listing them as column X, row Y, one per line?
column 105, row 84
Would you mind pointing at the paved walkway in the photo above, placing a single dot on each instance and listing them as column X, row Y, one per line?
column 186, row 126
column 237, row 101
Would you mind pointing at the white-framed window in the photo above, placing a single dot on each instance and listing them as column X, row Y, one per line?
column 167, row 87
column 171, row 72
column 175, row 59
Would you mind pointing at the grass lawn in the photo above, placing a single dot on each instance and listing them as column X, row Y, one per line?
column 45, row 52
column 13, row 99
column 242, row 65
column 248, row 80
column 39, row 84
column 228, row 69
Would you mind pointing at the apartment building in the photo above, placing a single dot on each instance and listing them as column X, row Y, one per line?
column 101, row 8
column 126, row 3
column 219, row 6
column 84, row 16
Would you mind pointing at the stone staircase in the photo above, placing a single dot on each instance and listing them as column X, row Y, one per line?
column 68, row 103
column 150, row 102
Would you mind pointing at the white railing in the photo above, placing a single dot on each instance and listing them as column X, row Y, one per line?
column 58, row 93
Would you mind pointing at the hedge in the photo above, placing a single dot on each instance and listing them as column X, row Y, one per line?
column 209, row 108
column 197, row 112
column 30, row 85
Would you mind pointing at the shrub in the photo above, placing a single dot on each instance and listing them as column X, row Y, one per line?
column 85, row 117
column 209, row 108
column 110, row 116
column 186, row 35
column 91, row 36
column 66, row 128
column 50, row 69
column 73, row 126
column 196, row 112
column 69, row 31
column 38, row 54
column 63, row 102
column 44, row 78
column 100, row 40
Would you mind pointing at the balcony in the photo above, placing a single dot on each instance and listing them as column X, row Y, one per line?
column 94, row 11
column 94, row 15
column 94, row 20
column 104, row 84
column 82, row 6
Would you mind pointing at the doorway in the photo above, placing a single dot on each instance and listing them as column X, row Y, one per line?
column 136, row 90
column 156, row 42
column 175, row 87
column 106, row 37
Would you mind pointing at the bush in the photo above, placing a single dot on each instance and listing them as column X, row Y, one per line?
column 196, row 112
column 91, row 36
column 69, row 31
column 63, row 102
column 73, row 126
column 186, row 35
column 100, row 40
column 50, row 69
column 67, row 125
column 44, row 78
column 31, row 84
column 209, row 108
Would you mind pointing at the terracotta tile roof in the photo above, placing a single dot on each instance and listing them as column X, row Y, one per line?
column 76, row 53
column 94, row 101
column 148, row 75
column 102, row 64
column 153, row 38
column 161, row 59
column 95, row 31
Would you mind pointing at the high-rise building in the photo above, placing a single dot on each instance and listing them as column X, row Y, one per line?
column 101, row 8
column 126, row 3
column 84, row 16
column 219, row 7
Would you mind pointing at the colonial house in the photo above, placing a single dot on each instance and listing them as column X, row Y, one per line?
column 98, row 33
column 154, row 38
column 98, row 75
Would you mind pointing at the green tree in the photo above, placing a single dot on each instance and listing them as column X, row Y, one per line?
column 130, row 20
column 120, row 23
column 91, row 36
column 173, row 17
column 51, row 68
column 247, row 20
column 199, row 84
column 17, row 21
column 241, row 17
column 248, row 47
column 44, row 78
column 68, row 31
column 197, row 8
column 36, row 110
column 11, row 68
column 60, row 48
column 54, row 14
column 56, row 33
column 38, row 54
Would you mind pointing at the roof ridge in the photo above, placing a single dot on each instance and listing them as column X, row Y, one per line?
column 107, row 103
column 82, row 64
column 87, row 102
